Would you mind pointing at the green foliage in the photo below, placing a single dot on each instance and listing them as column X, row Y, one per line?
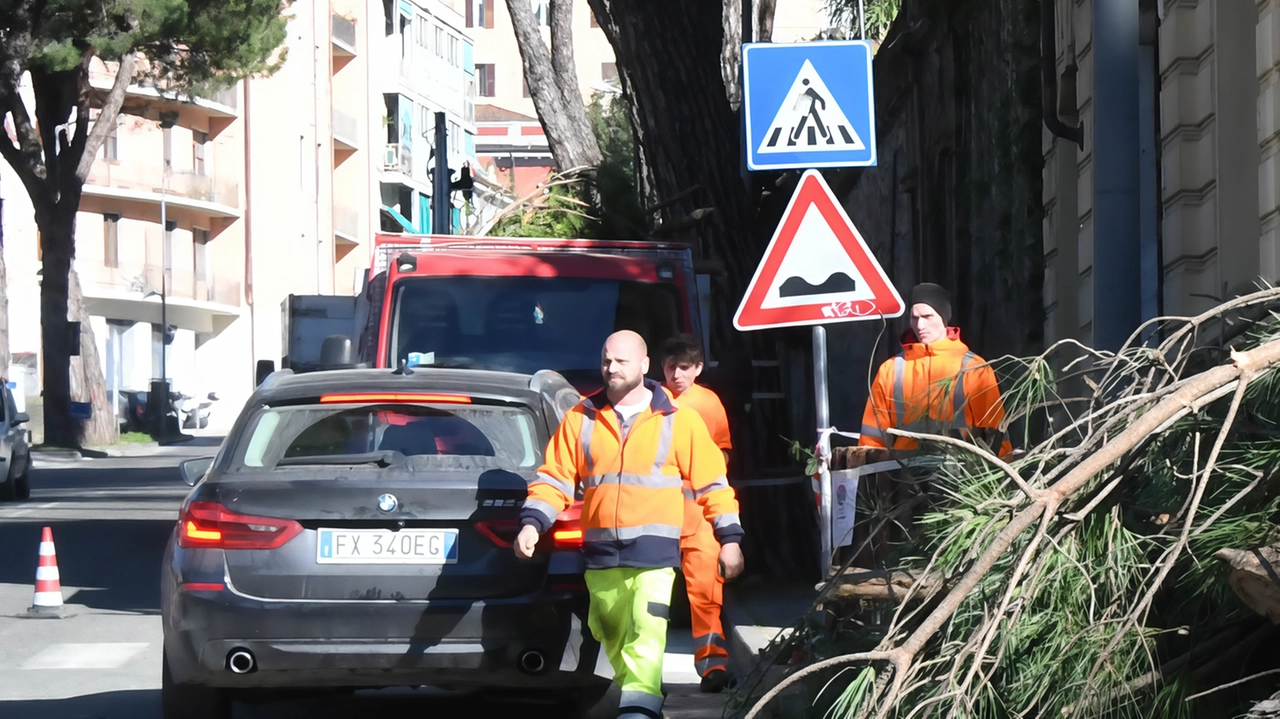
column 186, row 43
column 803, row 454
column 879, row 15
column 605, row 205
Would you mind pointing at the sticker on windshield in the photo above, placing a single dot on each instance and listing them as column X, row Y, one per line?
column 422, row 359
column 537, row 314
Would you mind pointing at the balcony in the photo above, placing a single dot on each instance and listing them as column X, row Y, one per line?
column 346, row 135
column 397, row 158
column 346, row 225
column 209, row 114
column 131, row 292
column 134, row 190
column 343, row 39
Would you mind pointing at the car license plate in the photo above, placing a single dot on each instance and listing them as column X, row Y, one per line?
column 382, row 546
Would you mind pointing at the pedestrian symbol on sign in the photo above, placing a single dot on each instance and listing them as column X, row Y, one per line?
column 810, row 119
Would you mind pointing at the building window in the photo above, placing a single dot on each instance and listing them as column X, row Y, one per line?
column 455, row 137
column 485, row 79
column 199, row 141
column 440, row 49
column 111, row 146
column 608, row 71
column 542, row 12
column 455, row 51
column 111, row 240
column 480, row 13
column 200, row 262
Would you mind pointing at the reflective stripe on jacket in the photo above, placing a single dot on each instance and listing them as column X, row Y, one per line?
column 708, row 406
column 929, row 389
column 633, row 503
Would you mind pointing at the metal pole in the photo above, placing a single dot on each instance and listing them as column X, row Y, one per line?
column 164, row 271
column 824, row 421
column 862, row 20
column 441, row 209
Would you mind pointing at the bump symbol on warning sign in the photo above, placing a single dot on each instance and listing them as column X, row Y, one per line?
column 810, row 119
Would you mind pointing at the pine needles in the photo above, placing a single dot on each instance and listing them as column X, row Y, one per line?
column 1079, row 579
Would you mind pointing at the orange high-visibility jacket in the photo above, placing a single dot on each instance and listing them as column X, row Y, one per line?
column 711, row 410
column 928, row 389
column 633, row 503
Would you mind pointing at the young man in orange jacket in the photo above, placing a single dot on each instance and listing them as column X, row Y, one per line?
column 682, row 363
column 928, row 387
column 633, row 511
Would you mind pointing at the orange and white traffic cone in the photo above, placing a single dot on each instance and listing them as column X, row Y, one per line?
column 48, row 594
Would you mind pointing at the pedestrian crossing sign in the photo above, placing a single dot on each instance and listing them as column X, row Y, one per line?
column 809, row 105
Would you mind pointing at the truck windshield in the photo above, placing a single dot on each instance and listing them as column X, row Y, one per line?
column 525, row 324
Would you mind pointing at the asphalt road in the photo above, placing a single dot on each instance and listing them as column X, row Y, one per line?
column 110, row 519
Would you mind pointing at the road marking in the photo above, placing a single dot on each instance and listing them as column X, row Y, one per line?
column 36, row 508
column 84, row 656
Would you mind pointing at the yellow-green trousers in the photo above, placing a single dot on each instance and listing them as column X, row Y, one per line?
column 628, row 616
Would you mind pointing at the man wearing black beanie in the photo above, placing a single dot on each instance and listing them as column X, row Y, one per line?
column 928, row 387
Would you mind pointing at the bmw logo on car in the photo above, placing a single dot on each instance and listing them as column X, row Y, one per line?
column 388, row 503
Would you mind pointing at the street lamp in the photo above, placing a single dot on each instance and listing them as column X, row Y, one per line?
column 158, row 399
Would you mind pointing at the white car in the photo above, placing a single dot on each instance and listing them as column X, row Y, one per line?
column 15, row 449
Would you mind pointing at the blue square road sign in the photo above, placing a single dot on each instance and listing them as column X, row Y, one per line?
column 809, row 104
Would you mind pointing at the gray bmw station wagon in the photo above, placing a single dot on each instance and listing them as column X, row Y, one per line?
column 354, row 531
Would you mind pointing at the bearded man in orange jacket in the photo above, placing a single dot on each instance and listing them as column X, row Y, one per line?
column 634, row 450
column 935, row 385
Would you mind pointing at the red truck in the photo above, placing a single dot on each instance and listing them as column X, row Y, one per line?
column 517, row 305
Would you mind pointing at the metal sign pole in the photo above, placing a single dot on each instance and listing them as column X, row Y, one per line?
column 824, row 421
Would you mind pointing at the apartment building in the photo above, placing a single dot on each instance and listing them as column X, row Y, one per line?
column 1162, row 184
column 274, row 187
column 427, row 67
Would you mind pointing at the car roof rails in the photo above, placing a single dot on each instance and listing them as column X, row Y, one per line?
column 275, row 378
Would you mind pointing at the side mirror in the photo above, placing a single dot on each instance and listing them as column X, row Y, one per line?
column 263, row 370
column 193, row 470
column 21, row 418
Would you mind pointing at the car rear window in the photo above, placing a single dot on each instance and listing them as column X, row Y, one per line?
column 430, row 437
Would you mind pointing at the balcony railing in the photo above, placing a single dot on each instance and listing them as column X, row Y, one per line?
column 344, row 32
column 397, row 158
column 132, row 278
column 146, row 178
column 346, row 127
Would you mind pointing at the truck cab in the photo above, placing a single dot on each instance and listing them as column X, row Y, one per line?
column 516, row 305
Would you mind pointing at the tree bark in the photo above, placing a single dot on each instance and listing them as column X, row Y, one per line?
column 88, row 381
column 57, row 243
column 562, row 114
column 1255, row 578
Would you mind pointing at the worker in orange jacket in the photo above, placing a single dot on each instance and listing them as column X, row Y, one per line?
column 682, row 363
column 634, row 450
column 929, row 386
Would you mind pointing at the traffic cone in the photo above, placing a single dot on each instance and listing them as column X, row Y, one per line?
column 48, row 595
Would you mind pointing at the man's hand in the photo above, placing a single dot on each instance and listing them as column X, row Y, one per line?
column 527, row 540
column 731, row 561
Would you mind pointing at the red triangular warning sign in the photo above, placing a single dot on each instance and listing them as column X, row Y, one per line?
column 817, row 269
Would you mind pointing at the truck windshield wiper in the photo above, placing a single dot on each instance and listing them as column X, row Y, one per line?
column 385, row 458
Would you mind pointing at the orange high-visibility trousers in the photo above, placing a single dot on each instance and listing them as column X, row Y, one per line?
column 700, row 562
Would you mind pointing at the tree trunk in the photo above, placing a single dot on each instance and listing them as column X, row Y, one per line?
column 562, row 114
column 88, row 382
column 57, row 243
column 688, row 134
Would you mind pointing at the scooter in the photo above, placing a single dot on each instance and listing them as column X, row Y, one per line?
column 195, row 415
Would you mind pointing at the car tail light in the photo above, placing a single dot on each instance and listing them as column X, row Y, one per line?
column 566, row 533
column 394, row 397
column 209, row 525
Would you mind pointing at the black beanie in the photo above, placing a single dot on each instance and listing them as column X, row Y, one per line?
column 935, row 296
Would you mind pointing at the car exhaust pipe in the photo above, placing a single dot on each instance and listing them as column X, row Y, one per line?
column 241, row 661
column 533, row 662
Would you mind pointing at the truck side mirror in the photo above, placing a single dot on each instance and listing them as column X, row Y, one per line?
column 263, row 370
